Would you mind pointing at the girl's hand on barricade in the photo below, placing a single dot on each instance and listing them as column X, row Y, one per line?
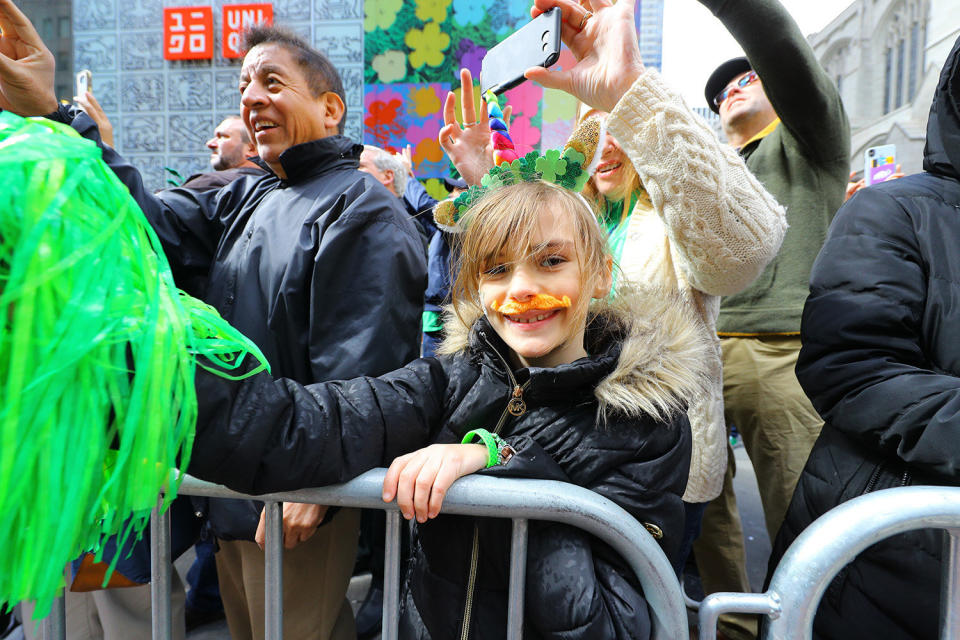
column 420, row 480
column 26, row 66
column 469, row 148
column 300, row 522
column 603, row 38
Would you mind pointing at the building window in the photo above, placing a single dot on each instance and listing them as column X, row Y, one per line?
column 901, row 54
column 914, row 58
column 887, row 80
column 64, row 26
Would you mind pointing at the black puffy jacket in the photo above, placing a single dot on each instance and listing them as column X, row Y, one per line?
column 264, row 435
column 323, row 270
column 881, row 363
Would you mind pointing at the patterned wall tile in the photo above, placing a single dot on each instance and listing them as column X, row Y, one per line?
column 190, row 90
column 141, row 51
column 95, row 52
column 189, row 132
column 141, row 14
column 353, row 127
column 151, row 167
column 143, row 133
column 341, row 42
column 141, row 92
column 186, row 166
column 97, row 15
column 352, row 77
column 291, row 11
column 338, row 9
column 226, row 91
column 105, row 89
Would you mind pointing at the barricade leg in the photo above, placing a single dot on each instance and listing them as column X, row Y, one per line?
column 391, row 577
column 273, row 572
column 950, row 586
column 160, row 568
column 518, row 579
column 716, row 603
column 54, row 626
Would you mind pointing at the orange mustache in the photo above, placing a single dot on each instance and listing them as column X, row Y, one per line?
column 539, row 302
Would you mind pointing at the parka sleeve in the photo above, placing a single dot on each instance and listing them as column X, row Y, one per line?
column 578, row 587
column 366, row 289
column 722, row 224
column 263, row 435
column 186, row 222
column 864, row 362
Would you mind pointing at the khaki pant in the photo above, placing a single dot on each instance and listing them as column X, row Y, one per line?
column 763, row 398
column 316, row 574
column 112, row 614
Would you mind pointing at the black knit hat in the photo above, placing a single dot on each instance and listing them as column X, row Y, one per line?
column 722, row 76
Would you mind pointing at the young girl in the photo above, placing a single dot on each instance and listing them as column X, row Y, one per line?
column 547, row 385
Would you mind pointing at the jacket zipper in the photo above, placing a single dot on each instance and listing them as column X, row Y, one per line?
column 904, row 478
column 515, row 407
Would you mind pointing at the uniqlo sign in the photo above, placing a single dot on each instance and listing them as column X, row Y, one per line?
column 188, row 33
column 237, row 18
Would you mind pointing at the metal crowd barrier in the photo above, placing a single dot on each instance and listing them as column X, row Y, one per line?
column 520, row 500
column 832, row 541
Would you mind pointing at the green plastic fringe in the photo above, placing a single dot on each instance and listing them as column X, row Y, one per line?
column 98, row 351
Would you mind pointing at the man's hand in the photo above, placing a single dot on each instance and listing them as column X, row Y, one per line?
column 420, row 480
column 603, row 38
column 405, row 156
column 93, row 109
column 26, row 66
column 300, row 522
column 469, row 148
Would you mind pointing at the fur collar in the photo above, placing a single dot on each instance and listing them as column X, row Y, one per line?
column 664, row 358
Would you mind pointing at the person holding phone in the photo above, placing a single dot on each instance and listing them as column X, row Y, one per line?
column 783, row 114
column 680, row 211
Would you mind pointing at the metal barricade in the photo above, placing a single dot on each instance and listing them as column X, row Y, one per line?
column 520, row 500
column 832, row 541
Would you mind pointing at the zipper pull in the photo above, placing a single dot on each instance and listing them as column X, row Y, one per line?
column 516, row 406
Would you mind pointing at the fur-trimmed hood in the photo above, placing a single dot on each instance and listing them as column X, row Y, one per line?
column 662, row 355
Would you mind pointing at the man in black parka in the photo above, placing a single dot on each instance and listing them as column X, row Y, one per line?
column 314, row 261
column 881, row 364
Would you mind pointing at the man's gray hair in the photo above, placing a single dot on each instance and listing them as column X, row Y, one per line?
column 386, row 161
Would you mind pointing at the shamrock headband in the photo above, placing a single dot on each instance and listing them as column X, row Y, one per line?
column 570, row 168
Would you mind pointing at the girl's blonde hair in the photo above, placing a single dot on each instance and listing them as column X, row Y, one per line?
column 501, row 225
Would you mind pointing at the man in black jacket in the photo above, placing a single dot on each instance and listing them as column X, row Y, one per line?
column 314, row 261
column 881, row 363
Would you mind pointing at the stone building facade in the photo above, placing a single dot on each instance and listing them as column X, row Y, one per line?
column 885, row 56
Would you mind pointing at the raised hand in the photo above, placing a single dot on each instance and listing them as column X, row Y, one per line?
column 603, row 38
column 469, row 148
column 420, row 480
column 26, row 66
column 93, row 109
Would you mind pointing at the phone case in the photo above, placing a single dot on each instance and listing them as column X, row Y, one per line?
column 537, row 43
column 879, row 163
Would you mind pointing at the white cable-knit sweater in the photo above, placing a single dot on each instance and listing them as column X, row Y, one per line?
column 710, row 231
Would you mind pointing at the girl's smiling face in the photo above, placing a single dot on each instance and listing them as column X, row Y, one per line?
column 541, row 337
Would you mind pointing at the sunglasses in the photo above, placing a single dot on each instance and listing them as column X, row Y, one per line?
column 742, row 82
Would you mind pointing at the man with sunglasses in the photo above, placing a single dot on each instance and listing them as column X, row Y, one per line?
column 784, row 115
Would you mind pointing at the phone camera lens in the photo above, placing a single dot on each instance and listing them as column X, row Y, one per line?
column 872, row 152
column 545, row 37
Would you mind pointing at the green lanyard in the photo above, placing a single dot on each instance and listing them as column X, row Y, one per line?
column 615, row 223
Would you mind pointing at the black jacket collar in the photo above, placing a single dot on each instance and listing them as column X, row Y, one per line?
column 304, row 161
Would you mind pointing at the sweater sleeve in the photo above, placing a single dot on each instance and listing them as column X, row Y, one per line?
column 722, row 224
column 803, row 95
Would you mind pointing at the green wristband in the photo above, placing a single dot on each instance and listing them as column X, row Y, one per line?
column 492, row 442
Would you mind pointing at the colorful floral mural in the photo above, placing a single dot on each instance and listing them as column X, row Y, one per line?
column 414, row 50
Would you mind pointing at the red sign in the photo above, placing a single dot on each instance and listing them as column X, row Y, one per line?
column 237, row 18
column 188, row 33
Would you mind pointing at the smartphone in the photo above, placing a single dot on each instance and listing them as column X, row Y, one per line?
column 537, row 43
column 84, row 82
column 879, row 163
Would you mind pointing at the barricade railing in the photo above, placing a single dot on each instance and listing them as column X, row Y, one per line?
column 519, row 500
column 832, row 541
